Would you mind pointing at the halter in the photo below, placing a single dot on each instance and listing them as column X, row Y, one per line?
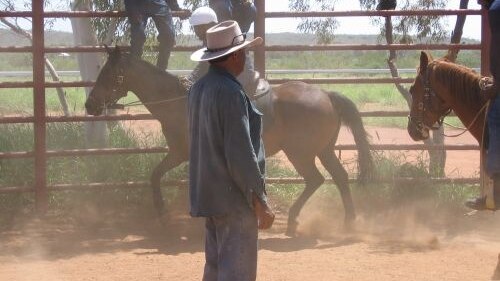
column 117, row 88
column 426, row 106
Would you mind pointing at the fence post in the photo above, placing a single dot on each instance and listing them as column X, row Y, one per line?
column 485, row 43
column 260, row 31
column 41, row 195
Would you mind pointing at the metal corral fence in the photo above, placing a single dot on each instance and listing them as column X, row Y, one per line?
column 40, row 119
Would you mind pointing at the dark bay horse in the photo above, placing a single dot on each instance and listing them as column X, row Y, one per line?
column 442, row 86
column 303, row 121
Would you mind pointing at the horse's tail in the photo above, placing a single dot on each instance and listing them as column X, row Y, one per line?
column 351, row 117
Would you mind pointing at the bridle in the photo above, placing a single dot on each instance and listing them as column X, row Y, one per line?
column 117, row 88
column 425, row 106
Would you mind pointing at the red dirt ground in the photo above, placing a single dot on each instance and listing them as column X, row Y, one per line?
column 408, row 242
column 394, row 244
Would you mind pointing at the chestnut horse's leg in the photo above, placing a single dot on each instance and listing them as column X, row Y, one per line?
column 306, row 167
column 169, row 162
column 341, row 179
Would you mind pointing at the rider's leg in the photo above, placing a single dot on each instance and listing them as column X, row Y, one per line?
column 166, row 38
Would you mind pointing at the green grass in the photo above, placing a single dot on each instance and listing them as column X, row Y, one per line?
column 138, row 167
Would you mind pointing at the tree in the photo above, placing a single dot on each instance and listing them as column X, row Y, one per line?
column 13, row 25
column 403, row 30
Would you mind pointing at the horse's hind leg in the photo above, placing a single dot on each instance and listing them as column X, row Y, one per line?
column 170, row 161
column 341, row 179
column 313, row 179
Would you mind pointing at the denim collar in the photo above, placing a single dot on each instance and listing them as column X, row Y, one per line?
column 224, row 72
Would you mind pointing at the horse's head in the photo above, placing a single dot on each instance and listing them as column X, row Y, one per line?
column 427, row 108
column 109, row 86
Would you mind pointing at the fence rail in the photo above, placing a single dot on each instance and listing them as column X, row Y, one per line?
column 72, row 73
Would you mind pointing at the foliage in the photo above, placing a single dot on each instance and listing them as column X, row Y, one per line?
column 323, row 28
column 430, row 27
column 406, row 27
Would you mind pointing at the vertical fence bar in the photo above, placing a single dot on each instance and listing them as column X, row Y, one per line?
column 41, row 195
column 485, row 43
column 260, row 31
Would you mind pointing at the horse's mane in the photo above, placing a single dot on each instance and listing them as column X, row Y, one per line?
column 153, row 68
column 462, row 82
column 165, row 75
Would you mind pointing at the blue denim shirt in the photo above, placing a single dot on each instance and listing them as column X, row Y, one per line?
column 227, row 159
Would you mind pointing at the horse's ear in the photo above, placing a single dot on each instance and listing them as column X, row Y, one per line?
column 113, row 53
column 425, row 58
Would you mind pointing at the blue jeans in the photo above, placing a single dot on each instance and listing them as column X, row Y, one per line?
column 493, row 156
column 138, row 16
column 231, row 247
column 235, row 10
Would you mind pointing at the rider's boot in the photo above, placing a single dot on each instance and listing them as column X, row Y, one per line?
column 479, row 203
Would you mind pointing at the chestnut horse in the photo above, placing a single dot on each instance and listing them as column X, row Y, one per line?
column 442, row 86
column 299, row 119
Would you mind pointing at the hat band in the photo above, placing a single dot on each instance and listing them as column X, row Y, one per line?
column 233, row 44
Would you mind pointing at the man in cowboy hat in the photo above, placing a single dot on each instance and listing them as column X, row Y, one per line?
column 226, row 170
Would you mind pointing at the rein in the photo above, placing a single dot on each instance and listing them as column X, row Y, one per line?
column 120, row 78
column 471, row 123
column 138, row 103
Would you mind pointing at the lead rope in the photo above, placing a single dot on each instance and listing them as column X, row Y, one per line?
column 184, row 82
column 464, row 130
column 485, row 178
column 137, row 103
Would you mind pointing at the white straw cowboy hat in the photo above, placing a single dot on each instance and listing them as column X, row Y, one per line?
column 203, row 15
column 223, row 39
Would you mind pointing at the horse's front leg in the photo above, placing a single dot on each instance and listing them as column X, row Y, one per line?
column 170, row 161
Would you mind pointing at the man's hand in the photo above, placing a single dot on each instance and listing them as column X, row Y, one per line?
column 264, row 214
column 488, row 87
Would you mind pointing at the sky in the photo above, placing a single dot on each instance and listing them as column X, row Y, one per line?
column 348, row 25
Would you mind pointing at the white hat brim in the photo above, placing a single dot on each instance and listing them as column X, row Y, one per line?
column 204, row 55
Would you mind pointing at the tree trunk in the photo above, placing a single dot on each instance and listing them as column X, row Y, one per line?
column 437, row 158
column 89, row 63
column 53, row 73
column 456, row 35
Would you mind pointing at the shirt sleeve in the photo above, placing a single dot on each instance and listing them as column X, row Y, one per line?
column 240, row 154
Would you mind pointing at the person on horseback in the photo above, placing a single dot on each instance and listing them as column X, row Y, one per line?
column 138, row 13
column 244, row 12
column 226, row 158
column 490, row 90
column 201, row 20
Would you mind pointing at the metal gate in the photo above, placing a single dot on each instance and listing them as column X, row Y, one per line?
column 40, row 119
